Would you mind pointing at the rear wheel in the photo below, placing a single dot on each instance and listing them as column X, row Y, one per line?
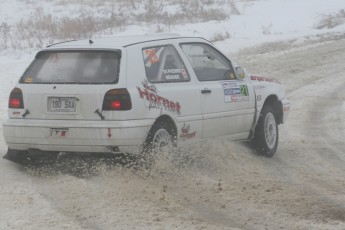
column 161, row 138
column 266, row 133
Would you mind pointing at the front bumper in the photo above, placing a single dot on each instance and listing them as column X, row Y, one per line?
column 76, row 135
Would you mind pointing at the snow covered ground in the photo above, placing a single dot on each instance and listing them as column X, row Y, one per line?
column 214, row 184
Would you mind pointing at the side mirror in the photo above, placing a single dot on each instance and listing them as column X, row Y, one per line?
column 241, row 72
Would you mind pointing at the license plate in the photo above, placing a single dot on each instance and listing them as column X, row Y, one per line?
column 62, row 104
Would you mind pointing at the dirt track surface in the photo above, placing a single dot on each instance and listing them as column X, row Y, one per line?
column 211, row 184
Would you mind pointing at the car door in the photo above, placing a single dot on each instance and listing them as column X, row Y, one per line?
column 168, row 89
column 227, row 101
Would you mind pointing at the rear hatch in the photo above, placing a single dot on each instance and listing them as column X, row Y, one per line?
column 69, row 84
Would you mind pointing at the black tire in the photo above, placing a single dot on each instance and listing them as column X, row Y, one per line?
column 161, row 134
column 266, row 133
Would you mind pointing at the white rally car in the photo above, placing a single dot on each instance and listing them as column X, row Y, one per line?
column 129, row 94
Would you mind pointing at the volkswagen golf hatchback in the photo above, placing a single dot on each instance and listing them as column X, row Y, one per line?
column 129, row 94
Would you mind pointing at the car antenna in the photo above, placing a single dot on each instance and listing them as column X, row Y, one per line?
column 59, row 43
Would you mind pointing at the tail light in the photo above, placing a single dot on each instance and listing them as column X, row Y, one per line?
column 117, row 99
column 16, row 99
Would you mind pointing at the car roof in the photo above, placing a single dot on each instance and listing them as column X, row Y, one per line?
column 119, row 41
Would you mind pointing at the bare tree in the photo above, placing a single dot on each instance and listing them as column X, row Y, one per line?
column 5, row 30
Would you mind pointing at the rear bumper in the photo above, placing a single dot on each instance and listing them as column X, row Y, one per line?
column 76, row 136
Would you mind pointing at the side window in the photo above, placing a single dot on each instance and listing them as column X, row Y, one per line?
column 207, row 62
column 163, row 64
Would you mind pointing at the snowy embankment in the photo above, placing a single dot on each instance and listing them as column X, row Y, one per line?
column 214, row 184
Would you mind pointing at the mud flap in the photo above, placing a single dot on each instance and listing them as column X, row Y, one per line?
column 30, row 157
column 17, row 156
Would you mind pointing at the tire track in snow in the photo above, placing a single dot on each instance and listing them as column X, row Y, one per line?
column 317, row 176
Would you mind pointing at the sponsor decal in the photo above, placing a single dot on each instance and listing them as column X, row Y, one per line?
column 150, row 94
column 235, row 92
column 175, row 74
column 266, row 79
column 184, row 73
column 151, row 53
column 259, row 87
column 185, row 132
column 239, row 98
column 172, row 74
column 149, row 86
column 229, row 84
column 244, row 90
column 58, row 132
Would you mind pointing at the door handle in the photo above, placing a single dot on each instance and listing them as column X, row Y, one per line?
column 206, row 91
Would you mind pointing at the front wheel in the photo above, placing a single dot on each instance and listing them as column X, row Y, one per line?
column 266, row 133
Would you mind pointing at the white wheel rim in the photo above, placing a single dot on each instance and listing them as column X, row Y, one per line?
column 162, row 139
column 270, row 130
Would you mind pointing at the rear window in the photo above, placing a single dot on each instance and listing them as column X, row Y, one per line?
column 74, row 67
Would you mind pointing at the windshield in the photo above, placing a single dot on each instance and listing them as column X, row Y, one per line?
column 75, row 67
